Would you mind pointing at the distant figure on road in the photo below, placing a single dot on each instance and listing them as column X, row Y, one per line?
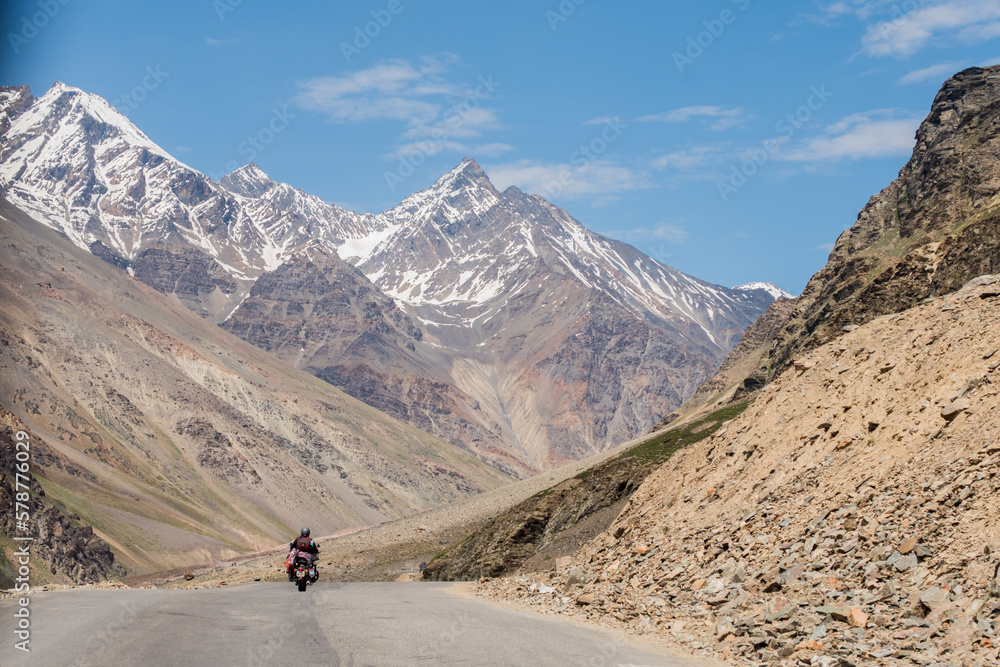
column 303, row 544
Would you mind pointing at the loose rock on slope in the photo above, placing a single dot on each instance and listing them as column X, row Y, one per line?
column 842, row 519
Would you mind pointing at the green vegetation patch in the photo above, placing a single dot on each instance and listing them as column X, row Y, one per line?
column 662, row 447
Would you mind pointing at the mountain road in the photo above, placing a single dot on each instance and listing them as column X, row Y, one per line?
column 330, row 624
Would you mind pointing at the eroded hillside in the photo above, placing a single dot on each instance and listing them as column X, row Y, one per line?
column 180, row 443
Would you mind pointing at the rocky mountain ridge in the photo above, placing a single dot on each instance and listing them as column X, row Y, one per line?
column 933, row 229
column 928, row 233
column 519, row 308
column 530, row 339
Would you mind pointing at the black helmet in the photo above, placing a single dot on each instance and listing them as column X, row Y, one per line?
column 304, row 532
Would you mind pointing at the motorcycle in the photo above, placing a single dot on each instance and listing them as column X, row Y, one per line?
column 303, row 570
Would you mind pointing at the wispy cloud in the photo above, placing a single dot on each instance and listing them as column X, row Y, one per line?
column 723, row 118
column 594, row 181
column 211, row 41
column 933, row 73
column 391, row 90
column 969, row 21
column 862, row 9
column 430, row 148
column 435, row 111
column 873, row 134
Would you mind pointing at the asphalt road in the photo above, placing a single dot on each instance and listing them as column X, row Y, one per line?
column 352, row 625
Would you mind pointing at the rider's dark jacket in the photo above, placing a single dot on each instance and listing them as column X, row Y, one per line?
column 305, row 544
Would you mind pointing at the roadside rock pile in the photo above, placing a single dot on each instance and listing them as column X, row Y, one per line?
column 850, row 516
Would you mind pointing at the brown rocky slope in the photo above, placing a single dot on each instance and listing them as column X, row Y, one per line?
column 847, row 517
column 318, row 313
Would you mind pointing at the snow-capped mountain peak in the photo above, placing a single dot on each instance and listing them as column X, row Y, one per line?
column 770, row 288
column 248, row 181
column 75, row 162
column 68, row 101
column 527, row 319
column 464, row 188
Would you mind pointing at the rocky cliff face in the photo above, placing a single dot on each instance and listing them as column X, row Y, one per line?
column 929, row 232
column 933, row 229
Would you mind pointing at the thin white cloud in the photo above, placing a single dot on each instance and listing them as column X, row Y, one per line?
column 933, row 73
column 495, row 149
column 862, row 9
column 427, row 148
column 980, row 33
column 391, row 90
column 592, row 180
column 430, row 147
column 470, row 122
column 873, row 134
column 724, row 118
column 219, row 42
column 904, row 34
column 439, row 115
column 839, row 9
column 834, row 13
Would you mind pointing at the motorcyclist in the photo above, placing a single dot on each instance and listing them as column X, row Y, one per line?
column 305, row 545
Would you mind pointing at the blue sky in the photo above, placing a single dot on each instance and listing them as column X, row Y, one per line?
column 733, row 139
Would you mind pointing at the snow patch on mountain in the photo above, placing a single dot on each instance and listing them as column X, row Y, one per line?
column 770, row 288
column 459, row 244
